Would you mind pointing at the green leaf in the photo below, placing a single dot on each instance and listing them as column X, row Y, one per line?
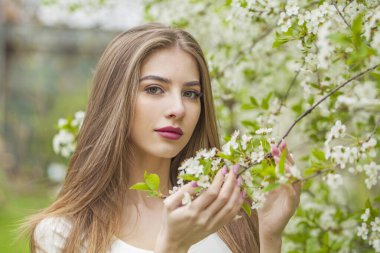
column 309, row 171
column 341, row 39
column 224, row 156
column 270, row 187
column 152, row 181
column 280, row 40
column 265, row 102
column 140, row 187
column 318, row 155
column 188, row 177
column 254, row 101
column 248, row 107
column 281, row 164
column 357, row 30
column 377, row 199
column 251, row 124
column 298, row 107
column 368, row 204
column 247, row 209
column 325, row 238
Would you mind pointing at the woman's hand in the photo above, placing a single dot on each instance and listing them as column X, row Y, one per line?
column 278, row 208
column 184, row 225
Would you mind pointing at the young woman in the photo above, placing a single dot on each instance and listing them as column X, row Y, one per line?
column 151, row 107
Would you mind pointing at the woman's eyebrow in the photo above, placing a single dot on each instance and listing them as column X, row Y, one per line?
column 166, row 80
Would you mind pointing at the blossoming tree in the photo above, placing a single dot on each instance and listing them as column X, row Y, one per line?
column 302, row 70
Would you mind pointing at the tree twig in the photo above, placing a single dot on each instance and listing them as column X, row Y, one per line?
column 340, row 14
column 373, row 131
column 283, row 100
column 344, row 8
column 317, row 173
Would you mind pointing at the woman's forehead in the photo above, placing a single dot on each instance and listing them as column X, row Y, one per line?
column 171, row 63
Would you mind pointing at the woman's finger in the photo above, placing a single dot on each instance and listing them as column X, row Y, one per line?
column 175, row 200
column 220, row 186
column 224, row 194
column 228, row 211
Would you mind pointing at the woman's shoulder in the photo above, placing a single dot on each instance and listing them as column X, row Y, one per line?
column 51, row 233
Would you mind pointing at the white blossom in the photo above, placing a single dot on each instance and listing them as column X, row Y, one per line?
column 337, row 131
column 258, row 198
column 264, row 131
column 215, row 164
column 78, row 119
column 64, row 143
column 376, row 245
column 365, row 215
column 207, row 154
column 62, row 122
column 334, row 180
column 375, row 225
column 186, row 200
column 204, row 181
column 226, row 148
column 192, row 166
column 244, row 140
column 292, row 9
column 372, row 171
column 362, row 231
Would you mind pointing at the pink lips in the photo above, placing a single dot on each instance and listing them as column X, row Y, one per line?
column 172, row 133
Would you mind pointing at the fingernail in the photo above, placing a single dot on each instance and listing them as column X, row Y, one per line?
column 194, row 184
column 236, row 168
column 275, row 151
column 239, row 181
column 224, row 170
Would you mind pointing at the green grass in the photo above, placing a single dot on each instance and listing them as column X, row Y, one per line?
column 15, row 207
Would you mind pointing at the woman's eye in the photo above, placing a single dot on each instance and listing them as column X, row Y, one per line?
column 192, row 94
column 154, row 90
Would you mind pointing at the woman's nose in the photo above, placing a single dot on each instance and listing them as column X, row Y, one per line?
column 176, row 107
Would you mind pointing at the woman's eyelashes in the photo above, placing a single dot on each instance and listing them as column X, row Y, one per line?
column 156, row 90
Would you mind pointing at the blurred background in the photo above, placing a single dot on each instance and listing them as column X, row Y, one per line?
column 48, row 50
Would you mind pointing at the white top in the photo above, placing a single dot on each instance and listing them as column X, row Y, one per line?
column 51, row 233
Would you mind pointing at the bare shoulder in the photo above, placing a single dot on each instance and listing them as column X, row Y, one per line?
column 51, row 233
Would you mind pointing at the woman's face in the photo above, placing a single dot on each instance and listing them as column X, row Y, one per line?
column 168, row 103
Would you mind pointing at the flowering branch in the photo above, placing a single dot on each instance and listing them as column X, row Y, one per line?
column 269, row 155
column 325, row 97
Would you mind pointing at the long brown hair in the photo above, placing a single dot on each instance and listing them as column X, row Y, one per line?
column 94, row 190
